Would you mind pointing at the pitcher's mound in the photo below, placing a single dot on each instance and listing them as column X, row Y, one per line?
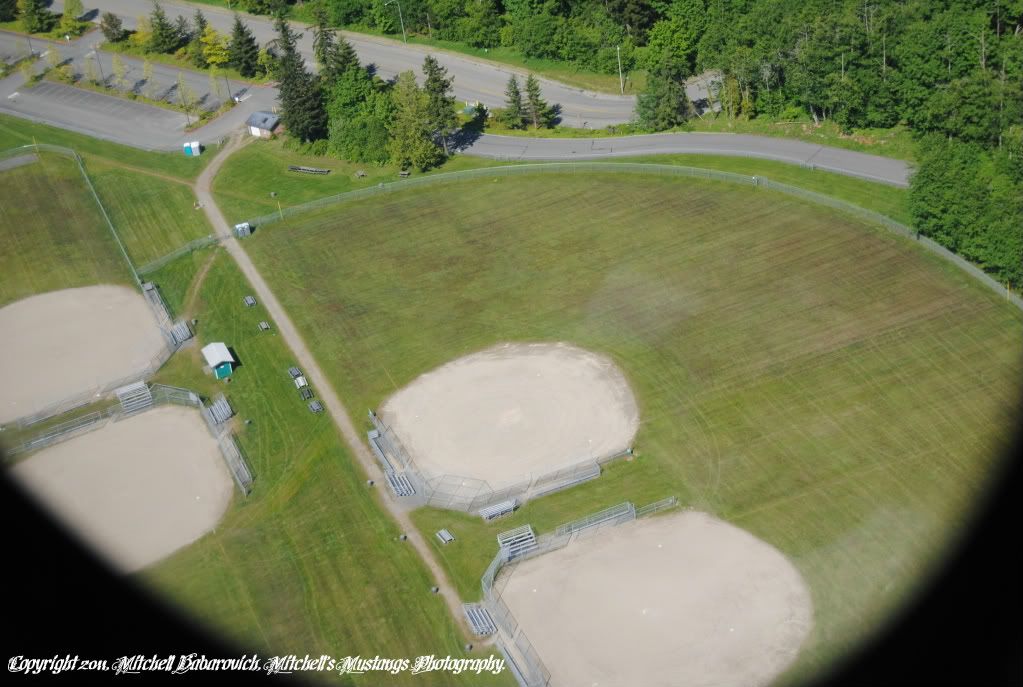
column 514, row 411
column 136, row 490
column 677, row 600
column 72, row 341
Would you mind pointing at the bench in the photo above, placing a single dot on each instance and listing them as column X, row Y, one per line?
column 294, row 372
column 300, row 382
column 307, row 170
column 316, row 407
column 404, row 174
column 305, row 393
column 517, row 542
column 479, row 620
column 250, row 301
column 399, row 483
column 498, row 509
column 445, row 537
column 360, row 174
column 264, row 326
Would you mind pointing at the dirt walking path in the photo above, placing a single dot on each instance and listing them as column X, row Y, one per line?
column 307, row 362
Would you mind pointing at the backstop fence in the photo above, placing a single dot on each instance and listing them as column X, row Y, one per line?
column 522, row 656
column 161, row 395
column 470, row 494
column 659, row 169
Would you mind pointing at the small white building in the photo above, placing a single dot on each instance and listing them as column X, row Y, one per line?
column 262, row 124
column 219, row 359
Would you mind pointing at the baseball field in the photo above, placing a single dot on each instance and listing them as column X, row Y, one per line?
column 308, row 562
column 822, row 384
column 827, row 401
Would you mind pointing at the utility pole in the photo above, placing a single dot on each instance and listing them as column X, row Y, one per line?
column 95, row 54
column 402, row 20
column 621, row 79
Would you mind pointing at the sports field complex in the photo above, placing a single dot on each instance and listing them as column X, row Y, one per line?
column 672, row 424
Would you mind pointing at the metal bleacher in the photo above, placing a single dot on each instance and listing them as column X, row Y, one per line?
column 399, row 483
column 221, row 410
column 517, row 542
column 479, row 620
column 498, row 509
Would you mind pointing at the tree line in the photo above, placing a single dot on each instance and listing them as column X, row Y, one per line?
column 196, row 41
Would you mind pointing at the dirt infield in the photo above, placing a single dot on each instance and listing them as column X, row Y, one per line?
column 138, row 489
column 677, row 600
column 513, row 411
column 67, row 342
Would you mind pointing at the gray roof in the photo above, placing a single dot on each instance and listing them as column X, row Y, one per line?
column 263, row 120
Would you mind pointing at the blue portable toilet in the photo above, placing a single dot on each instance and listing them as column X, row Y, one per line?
column 188, row 149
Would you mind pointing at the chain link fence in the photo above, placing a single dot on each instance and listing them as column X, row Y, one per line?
column 161, row 395
column 470, row 494
column 644, row 168
column 522, row 656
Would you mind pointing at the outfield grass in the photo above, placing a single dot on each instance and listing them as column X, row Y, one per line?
column 309, row 562
column 153, row 215
column 48, row 217
column 825, row 385
column 15, row 131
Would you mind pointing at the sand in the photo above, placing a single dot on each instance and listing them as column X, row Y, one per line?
column 68, row 342
column 137, row 489
column 514, row 411
column 682, row 599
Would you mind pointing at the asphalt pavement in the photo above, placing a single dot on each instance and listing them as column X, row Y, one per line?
column 155, row 128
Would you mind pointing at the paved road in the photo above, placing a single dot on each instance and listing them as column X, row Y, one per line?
column 103, row 117
column 874, row 167
column 474, row 79
column 324, row 389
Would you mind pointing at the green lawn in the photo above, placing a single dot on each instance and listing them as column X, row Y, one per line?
column 15, row 131
column 153, row 215
column 826, row 385
column 308, row 562
column 244, row 184
column 52, row 233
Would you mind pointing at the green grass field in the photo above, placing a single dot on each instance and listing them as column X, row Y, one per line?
column 825, row 385
column 153, row 215
column 48, row 217
column 243, row 186
column 308, row 562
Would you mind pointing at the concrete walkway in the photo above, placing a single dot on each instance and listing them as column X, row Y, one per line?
column 306, row 360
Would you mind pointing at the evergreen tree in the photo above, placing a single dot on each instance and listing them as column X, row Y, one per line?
column 359, row 113
column 8, row 10
column 243, row 52
column 34, row 16
column 164, row 35
column 512, row 115
column 537, row 110
column 334, row 54
column 195, row 46
column 664, row 104
column 112, row 28
column 302, row 111
column 441, row 117
column 411, row 137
